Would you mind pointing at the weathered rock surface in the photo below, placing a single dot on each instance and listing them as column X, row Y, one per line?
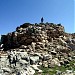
column 44, row 44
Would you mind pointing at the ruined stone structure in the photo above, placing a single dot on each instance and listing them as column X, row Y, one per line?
column 44, row 44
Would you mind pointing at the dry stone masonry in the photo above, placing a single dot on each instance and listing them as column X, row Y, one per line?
column 33, row 45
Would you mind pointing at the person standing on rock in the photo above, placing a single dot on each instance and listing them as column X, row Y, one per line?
column 42, row 20
column 9, row 57
column 15, row 59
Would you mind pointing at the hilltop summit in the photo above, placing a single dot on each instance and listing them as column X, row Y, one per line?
column 43, row 44
column 28, row 33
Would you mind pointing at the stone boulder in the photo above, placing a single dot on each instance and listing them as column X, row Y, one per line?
column 55, row 61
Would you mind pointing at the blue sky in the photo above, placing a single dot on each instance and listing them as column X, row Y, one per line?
column 13, row 13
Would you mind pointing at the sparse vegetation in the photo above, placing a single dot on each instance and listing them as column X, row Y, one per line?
column 52, row 71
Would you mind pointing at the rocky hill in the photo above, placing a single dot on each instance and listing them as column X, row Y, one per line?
column 44, row 44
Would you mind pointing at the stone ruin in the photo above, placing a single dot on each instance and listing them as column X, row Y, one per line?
column 43, row 44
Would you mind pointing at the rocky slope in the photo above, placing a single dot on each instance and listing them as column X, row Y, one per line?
column 44, row 44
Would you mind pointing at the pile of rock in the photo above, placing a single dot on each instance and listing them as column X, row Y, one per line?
column 44, row 44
